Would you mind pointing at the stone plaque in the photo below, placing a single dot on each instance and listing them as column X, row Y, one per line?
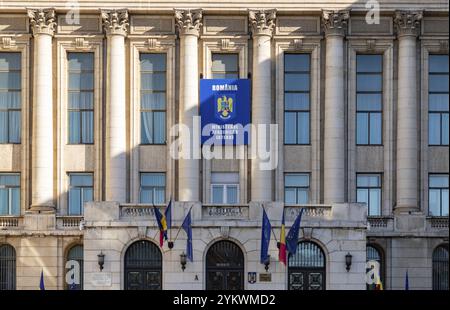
column 265, row 277
column 101, row 279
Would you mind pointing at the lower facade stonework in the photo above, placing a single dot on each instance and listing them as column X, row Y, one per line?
column 226, row 248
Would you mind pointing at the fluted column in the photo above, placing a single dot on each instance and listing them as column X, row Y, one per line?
column 262, row 24
column 407, row 25
column 188, row 24
column 334, row 23
column 115, row 23
column 43, row 24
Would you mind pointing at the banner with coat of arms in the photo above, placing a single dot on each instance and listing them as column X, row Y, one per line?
column 225, row 111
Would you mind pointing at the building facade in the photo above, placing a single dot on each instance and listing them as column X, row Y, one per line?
column 89, row 97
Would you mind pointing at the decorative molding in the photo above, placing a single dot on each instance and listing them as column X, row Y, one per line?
column 225, row 231
column 443, row 46
column 297, row 44
column 81, row 43
column 153, row 44
column 42, row 21
column 262, row 22
column 115, row 22
column 8, row 43
column 335, row 22
column 188, row 22
column 142, row 231
column 407, row 22
column 371, row 45
column 226, row 44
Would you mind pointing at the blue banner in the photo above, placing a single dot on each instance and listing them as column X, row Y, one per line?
column 225, row 111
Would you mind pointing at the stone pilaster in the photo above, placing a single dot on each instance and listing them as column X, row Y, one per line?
column 334, row 25
column 42, row 22
column 115, row 24
column 262, row 24
column 407, row 25
column 188, row 23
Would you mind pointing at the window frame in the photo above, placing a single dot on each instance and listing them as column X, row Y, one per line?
column 234, row 53
column 141, row 91
column 368, row 188
column 79, row 110
column 369, row 113
column 297, row 188
column 19, row 90
column 430, row 175
column 297, row 111
column 441, row 112
column 152, row 188
column 82, row 189
column 9, row 188
column 224, row 187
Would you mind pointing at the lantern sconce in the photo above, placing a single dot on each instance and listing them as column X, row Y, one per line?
column 348, row 261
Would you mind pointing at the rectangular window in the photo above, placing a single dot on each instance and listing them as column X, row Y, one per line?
column 296, row 98
column 438, row 100
column 369, row 99
column 10, row 97
column 81, row 190
column 368, row 191
column 81, row 98
column 9, row 194
column 296, row 188
column 438, row 195
column 153, row 188
column 225, row 66
column 225, row 187
column 153, row 98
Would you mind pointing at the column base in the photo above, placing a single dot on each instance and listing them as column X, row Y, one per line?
column 42, row 208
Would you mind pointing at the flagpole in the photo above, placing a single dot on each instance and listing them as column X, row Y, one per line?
column 182, row 225
column 271, row 228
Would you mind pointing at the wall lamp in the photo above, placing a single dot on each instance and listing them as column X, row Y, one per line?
column 267, row 263
column 183, row 261
column 101, row 260
column 348, row 261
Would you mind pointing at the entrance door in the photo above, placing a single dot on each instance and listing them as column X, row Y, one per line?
column 224, row 267
column 306, row 269
column 143, row 266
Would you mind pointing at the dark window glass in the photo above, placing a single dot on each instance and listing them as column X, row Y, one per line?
column 438, row 100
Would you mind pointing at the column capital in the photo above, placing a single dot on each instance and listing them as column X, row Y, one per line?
column 407, row 23
column 335, row 22
column 115, row 21
column 262, row 22
column 188, row 22
column 42, row 21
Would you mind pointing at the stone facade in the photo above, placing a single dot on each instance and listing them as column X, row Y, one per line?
column 332, row 33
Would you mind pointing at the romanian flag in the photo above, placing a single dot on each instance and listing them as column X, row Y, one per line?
column 282, row 249
column 162, row 224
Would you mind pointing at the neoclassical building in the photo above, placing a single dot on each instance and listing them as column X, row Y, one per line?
column 89, row 96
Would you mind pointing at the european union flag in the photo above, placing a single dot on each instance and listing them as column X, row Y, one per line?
column 292, row 237
column 406, row 281
column 187, row 227
column 265, row 237
column 168, row 214
column 41, row 283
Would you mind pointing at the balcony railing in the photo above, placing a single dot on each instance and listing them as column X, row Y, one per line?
column 9, row 222
column 69, row 222
column 227, row 212
column 379, row 222
column 437, row 222
column 128, row 210
column 310, row 210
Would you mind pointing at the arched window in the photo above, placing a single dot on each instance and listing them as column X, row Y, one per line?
column 75, row 255
column 7, row 267
column 143, row 266
column 307, row 268
column 440, row 268
column 375, row 263
column 224, row 267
